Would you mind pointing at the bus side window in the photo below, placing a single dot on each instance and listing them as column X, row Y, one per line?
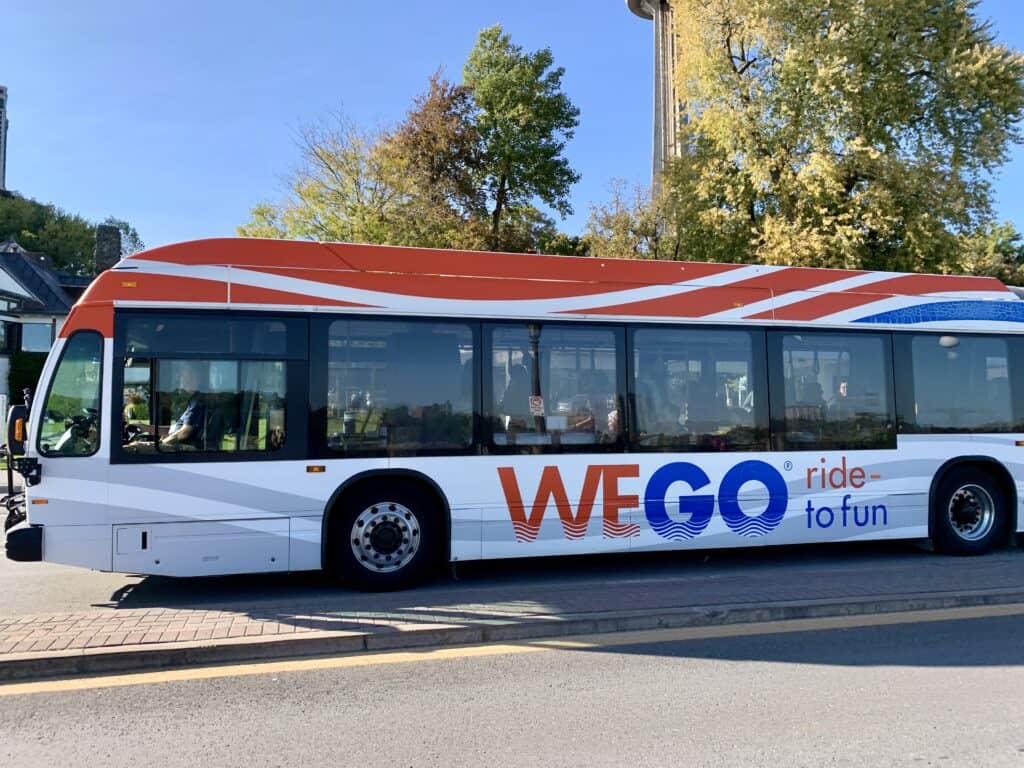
column 554, row 387
column 208, row 406
column 399, row 387
column 698, row 389
column 980, row 367
column 836, row 391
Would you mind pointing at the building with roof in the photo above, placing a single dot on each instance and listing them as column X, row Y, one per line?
column 35, row 299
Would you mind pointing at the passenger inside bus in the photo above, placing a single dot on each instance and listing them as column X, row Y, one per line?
column 594, row 408
column 841, row 406
column 515, row 401
column 655, row 414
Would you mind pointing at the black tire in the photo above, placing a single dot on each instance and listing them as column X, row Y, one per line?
column 375, row 528
column 970, row 512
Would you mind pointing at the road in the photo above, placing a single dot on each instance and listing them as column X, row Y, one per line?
column 937, row 689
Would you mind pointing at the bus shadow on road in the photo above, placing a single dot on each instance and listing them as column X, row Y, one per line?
column 515, row 578
column 502, row 593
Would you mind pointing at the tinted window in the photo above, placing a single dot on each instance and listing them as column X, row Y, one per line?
column 207, row 406
column 835, row 391
column 399, row 386
column 553, row 385
column 211, row 336
column 210, row 386
column 698, row 390
column 71, row 414
column 960, row 384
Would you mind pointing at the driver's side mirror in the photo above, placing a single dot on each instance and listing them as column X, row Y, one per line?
column 17, row 419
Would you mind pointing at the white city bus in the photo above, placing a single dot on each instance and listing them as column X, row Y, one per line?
column 239, row 406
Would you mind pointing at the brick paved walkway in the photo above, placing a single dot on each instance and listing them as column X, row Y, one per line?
column 452, row 604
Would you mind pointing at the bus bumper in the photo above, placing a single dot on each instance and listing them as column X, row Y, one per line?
column 25, row 543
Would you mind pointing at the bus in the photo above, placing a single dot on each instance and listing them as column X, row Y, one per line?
column 250, row 406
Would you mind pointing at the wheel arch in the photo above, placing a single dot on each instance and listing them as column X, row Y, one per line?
column 988, row 463
column 375, row 475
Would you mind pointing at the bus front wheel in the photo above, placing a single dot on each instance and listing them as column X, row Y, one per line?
column 970, row 512
column 385, row 537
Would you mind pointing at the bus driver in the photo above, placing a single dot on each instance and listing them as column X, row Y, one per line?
column 189, row 427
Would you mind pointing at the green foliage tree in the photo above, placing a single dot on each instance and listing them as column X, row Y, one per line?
column 996, row 250
column 561, row 244
column 844, row 133
column 628, row 226
column 435, row 155
column 460, row 171
column 360, row 186
column 68, row 239
column 524, row 120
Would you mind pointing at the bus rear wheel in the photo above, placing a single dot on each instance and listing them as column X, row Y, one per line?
column 970, row 512
column 385, row 537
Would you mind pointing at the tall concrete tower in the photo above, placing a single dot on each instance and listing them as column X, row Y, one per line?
column 3, row 138
column 666, row 105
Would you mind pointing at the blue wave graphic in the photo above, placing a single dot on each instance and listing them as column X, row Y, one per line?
column 752, row 527
column 1000, row 311
column 677, row 531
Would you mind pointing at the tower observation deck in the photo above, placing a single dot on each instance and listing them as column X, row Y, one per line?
column 666, row 105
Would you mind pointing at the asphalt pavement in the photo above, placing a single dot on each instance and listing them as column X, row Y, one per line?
column 919, row 692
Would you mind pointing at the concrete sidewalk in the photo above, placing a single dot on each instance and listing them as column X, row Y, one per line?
column 123, row 639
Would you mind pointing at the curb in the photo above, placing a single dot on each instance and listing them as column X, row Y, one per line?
column 139, row 658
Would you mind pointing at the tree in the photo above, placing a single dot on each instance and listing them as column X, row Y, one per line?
column 628, row 226
column 524, row 120
column 67, row 239
column 343, row 189
column 843, row 133
column 436, row 154
column 438, row 147
column 429, row 181
column 996, row 250
column 561, row 244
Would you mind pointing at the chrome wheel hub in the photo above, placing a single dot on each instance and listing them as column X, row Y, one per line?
column 385, row 537
column 972, row 512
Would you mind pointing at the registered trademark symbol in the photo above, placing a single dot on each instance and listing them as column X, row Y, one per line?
column 788, row 465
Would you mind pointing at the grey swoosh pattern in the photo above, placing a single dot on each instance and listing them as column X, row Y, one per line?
column 201, row 486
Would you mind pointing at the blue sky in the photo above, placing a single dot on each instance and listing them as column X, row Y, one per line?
column 179, row 117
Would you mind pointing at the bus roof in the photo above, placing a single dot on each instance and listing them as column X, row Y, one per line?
column 261, row 274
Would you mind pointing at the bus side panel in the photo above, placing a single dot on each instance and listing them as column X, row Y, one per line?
column 274, row 509
column 203, row 548
column 525, row 506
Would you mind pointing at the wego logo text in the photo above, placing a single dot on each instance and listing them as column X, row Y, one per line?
column 695, row 510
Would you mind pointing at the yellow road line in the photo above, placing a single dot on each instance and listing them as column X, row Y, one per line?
column 579, row 642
